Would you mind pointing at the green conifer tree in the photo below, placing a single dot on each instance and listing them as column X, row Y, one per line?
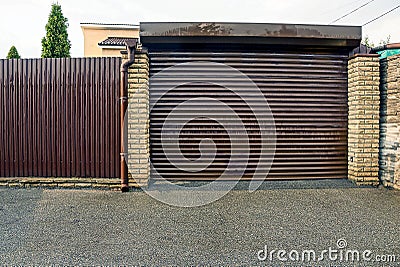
column 13, row 53
column 56, row 43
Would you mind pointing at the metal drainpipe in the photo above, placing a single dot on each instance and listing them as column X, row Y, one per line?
column 130, row 47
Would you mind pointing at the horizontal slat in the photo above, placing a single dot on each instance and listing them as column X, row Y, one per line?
column 284, row 176
column 277, row 154
column 169, row 149
column 254, row 160
column 279, row 129
column 246, row 54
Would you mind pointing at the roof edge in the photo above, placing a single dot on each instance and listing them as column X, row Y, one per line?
column 175, row 29
column 109, row 25
column 115, row 41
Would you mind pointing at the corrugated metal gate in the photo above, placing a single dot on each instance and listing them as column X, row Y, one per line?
column 307, row 93
column 59, row 117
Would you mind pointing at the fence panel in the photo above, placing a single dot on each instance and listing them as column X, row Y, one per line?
column 59, row 117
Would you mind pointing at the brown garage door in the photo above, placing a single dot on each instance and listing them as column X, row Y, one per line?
column 307, row 94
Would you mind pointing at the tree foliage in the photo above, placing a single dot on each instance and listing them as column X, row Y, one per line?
column 13, row 53
column 366, row 41
column 385, row 42
column 56, row 43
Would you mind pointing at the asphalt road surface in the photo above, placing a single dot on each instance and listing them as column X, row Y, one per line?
column 89, row 227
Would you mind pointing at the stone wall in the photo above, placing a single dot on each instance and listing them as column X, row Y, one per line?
column 389, row 160
column 52, row 182
column 363, row 119
column 138, row 120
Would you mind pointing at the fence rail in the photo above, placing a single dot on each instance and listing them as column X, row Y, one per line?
column 59, row 117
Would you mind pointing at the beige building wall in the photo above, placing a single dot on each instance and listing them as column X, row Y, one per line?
column 95, row 33
column 109, row 52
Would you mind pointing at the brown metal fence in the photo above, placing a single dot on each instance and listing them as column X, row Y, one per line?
column 59, row 117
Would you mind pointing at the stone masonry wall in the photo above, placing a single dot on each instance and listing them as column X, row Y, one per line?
column 363, row 119
column 389, row 160
column 138, row 120
column 54, row 182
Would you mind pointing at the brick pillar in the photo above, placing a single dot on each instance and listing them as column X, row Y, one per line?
column 363, row 119
column 138, row 120
column 390, row 122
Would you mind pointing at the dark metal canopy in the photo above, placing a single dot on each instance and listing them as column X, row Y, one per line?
column 250, row 33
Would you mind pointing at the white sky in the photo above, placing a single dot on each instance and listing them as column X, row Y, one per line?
column 22, row 22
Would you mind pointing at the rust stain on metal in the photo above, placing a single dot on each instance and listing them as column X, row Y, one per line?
column 212, row 29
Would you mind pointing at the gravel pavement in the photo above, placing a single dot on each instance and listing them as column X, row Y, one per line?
column 89, row 227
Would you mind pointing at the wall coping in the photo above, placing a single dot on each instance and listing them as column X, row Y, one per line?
column 363, row 55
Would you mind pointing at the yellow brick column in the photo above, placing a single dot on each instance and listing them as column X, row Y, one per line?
column 390, row 122
column 363, row 119
column 138, row 120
